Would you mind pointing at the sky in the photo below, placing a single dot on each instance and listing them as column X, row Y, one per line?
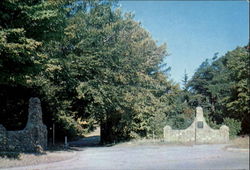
column 193, row 30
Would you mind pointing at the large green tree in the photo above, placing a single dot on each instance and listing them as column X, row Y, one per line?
column 222, row 87
column 117, row 66
column 237, row 103
column 25, row 26
column 88, row 63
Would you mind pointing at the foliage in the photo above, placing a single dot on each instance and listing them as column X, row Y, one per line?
column 221, row 87
column 89, row 62
column 234, row 126
column 21, row 57
column 28, row 29
column 239, row 99
column 10, row 155
column 116, row 73
column 86, row 61
column 180, row 114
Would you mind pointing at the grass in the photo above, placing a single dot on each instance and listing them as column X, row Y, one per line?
column 241, row 142
column 10, row 155
column 156, row 142
column 17, row 159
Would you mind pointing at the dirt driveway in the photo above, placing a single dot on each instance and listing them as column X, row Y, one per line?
column 143, row 157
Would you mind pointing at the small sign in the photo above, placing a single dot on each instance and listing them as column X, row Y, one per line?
column 200, row 124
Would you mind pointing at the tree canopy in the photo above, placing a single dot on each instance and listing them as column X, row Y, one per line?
column 222, row 87
column 90, row 63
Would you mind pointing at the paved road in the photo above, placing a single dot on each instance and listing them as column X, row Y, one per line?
column 148, row 157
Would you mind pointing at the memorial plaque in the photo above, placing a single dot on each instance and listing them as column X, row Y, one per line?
column 200, row 124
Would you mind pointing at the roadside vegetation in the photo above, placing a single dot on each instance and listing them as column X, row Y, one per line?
column 26, row 159
column 90, row 63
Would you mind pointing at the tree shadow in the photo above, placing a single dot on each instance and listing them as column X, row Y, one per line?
column 91, row 141
column 78, row 145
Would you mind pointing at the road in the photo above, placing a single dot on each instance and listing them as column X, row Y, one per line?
column 150, row 157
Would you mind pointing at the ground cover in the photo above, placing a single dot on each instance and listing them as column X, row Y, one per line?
column 25, row 159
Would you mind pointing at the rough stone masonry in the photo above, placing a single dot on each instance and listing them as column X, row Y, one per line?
column 32, row 138
column 198, row 132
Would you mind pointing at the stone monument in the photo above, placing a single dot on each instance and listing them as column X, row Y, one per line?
column 198, row 132
column 33, row 138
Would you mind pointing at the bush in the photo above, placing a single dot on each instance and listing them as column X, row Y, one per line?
column 234, row 126
column 211, row 123
column 10, row 155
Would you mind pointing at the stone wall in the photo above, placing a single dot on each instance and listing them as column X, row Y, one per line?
column 32, row 138
column 198, row 132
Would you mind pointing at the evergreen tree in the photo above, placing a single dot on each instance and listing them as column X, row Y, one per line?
column 185, row 80
column 222, row 87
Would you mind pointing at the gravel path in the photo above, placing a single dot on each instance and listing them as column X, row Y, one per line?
column 143, row 157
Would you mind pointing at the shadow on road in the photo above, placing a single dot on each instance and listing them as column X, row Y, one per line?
column 91, row 141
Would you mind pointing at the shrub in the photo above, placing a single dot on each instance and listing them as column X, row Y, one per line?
column 234, row 126
column 10, row 155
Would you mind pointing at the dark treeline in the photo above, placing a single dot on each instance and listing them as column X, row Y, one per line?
column 91, row 64
column 221, row 86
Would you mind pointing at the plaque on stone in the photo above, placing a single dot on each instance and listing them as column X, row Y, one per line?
column 200, row 124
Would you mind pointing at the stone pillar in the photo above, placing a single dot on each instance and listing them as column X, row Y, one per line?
column 35, row 113
column 199, row 114
column 32, row 138
column 224, row 133
column 35, row 127
column 167, row 133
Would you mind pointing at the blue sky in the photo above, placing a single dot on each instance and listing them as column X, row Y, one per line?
column 193, row 30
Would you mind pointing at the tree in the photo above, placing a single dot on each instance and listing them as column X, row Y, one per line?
column 87, row 62
column 185, row 80
column 25, row 26
column 222, row 87
column 237, row 102
column 121, row 84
